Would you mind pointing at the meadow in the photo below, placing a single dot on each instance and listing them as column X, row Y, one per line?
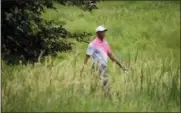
column 144, row 35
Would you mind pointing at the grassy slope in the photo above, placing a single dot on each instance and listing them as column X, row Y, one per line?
column 145, row 35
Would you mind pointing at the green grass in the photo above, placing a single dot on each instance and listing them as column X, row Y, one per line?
column 144, row 35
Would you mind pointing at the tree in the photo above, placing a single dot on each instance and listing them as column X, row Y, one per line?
column 26, row 36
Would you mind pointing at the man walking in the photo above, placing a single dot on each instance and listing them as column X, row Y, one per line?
column 99, row 50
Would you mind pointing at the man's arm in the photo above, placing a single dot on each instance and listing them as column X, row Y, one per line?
column 85, row 62
column 86, row 59
column 114, row 59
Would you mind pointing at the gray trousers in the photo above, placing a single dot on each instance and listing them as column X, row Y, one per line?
column 101, row 69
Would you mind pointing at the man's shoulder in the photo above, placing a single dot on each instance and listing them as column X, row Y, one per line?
column 92, row 42
column 106, row 42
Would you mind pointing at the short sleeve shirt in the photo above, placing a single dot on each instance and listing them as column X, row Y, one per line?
column 99, row 50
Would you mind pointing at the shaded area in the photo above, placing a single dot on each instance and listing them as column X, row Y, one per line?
column 26, row 36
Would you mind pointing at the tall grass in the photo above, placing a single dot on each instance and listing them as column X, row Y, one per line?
column 145, row 35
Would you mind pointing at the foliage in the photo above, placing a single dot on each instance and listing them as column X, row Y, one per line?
column 26, row 36
column 84, row 4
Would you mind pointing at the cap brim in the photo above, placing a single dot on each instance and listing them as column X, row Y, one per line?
column 103, row 30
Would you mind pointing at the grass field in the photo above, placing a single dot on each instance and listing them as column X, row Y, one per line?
column 145, row 35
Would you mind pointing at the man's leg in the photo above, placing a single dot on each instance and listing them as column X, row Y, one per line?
column 104, row 79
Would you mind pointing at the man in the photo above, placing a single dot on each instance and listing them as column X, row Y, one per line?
column 98, row 50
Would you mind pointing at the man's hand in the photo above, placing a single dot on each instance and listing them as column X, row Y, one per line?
column 114, row 59
column 126, row 70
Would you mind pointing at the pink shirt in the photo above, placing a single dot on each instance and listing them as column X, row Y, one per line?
column 98, row 50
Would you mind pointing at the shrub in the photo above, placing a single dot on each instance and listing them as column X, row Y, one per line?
column 26, row 36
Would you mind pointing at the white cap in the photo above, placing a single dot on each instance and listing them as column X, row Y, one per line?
column 100, row 29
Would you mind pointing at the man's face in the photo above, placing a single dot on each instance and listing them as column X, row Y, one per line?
column 101, row 34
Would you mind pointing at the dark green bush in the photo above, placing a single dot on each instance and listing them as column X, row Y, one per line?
column 25, row 35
